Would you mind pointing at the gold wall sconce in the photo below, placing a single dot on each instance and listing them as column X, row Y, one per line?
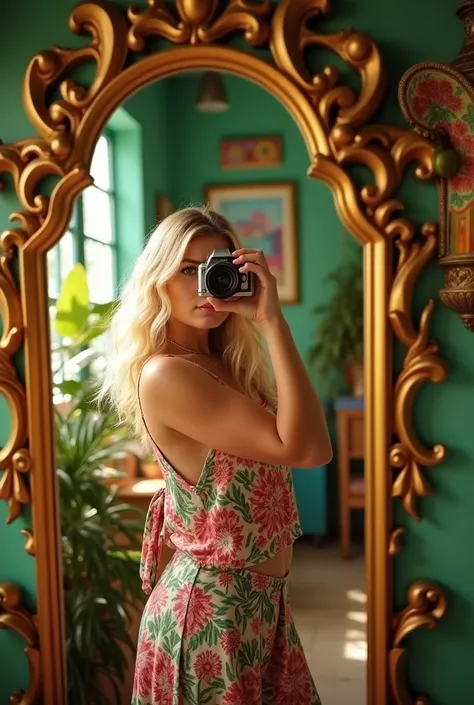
column 438, row 102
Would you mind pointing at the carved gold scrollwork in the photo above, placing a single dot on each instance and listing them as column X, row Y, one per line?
column 57, row 122
column 386, row 151
column 14, row 459
column 332, row 118
column 13, row 615
column 426, row 606
column 422, row 363
column 197, row 23
column 290, row 38
column 30, row 542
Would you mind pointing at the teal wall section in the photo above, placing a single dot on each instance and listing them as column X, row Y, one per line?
column 441, row 546
column 140, row 136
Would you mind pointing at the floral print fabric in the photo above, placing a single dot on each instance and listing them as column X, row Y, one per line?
column 239, row 514
column 213, row 632
column 219, row 637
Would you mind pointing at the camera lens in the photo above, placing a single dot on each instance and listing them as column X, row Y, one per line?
column 222, row 280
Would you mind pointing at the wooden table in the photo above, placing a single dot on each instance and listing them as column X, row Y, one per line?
column 351, row 446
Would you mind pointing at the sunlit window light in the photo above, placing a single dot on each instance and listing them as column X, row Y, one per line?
column 357, row 596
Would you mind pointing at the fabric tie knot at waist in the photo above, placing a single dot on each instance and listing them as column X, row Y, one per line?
column 152, row 541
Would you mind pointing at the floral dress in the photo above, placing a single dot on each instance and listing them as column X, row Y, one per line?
column 213, row 632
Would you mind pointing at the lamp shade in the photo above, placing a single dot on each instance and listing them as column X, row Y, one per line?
column 212, row 97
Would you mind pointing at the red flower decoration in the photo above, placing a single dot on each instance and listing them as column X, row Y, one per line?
column 434, row 93
column 207, row 666
column 223, row 471
column 256, row 624
column 163, row 678
column 261, row 581
column 234, row 695
column 144, row 666
column 200, row 611
column 225, row 579
column 230, row 640
column 271, row 502
column 158, row 600
column 227, row 536
column 295, row 685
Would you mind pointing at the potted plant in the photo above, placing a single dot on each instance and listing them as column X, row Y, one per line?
column 101, row 540
column 101, row 535
column 337, row 354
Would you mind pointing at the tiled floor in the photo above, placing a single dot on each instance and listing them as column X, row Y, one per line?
column 328, row 600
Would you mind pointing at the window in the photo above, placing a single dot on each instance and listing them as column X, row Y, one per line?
column 90, row 240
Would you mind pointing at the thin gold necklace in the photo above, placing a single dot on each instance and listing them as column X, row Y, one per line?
column 193, row 352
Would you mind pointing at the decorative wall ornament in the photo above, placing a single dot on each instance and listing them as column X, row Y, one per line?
column 438, row 101
column 426, row 606
column 250, row 152
column 13, row 615
column 335, row 123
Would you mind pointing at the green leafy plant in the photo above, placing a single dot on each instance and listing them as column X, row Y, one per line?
column 101, row 539
column 78, row 322
column 339, row 337
column 101, row 536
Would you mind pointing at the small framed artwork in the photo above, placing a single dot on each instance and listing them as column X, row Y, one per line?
column 250, row 152
column 264, row 216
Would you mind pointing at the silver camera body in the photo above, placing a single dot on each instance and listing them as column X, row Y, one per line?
column 220, row 278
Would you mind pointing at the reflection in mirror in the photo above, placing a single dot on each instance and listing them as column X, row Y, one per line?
column 158, row 154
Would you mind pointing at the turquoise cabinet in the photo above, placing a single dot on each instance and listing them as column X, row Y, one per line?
column 311, row 498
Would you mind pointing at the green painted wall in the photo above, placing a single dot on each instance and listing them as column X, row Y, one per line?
column 140, row 138
column 441, row 546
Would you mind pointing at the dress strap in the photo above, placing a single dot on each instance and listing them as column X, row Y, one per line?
column 160, row 455
column 196, row 364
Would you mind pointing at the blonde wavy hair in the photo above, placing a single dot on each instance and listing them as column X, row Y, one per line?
column 138, row 325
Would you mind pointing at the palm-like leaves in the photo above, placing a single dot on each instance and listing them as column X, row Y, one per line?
column 101, row 539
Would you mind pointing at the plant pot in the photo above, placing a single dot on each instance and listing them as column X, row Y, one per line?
column 355, row 378
column 151, row 470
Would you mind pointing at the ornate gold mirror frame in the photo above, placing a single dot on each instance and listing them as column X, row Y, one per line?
column 335, row 123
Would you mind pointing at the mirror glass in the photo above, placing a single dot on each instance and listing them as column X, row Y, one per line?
column 197, row 138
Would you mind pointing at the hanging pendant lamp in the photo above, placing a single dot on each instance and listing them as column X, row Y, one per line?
column 212, row 96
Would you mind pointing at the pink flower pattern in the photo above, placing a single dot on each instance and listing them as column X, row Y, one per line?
column 200, row 611
column 192, row 631
column 163, row 678
column 230, row 641
column 270, row 501
column 207, row 666
column 433, row 93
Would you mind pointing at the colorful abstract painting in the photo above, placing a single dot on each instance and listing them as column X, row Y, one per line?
column 264, row 218
column 250, row 152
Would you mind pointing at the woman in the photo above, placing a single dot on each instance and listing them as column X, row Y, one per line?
column 189, row 374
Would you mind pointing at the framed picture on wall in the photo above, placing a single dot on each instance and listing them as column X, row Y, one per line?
column 264, row 216
column 250, row 152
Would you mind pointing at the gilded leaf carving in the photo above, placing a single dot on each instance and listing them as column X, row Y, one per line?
column 335, row 121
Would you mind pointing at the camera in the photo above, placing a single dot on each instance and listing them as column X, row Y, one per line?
column 220, row 277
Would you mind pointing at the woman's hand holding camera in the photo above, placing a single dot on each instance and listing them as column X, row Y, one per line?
column 264, row 307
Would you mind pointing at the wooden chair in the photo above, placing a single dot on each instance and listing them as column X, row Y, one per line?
column 351, row 446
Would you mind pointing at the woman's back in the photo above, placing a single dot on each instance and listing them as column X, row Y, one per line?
column 238, row 512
